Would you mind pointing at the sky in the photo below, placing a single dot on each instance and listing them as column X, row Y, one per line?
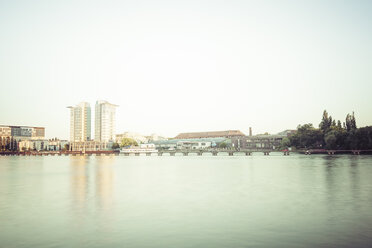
column 183, row 66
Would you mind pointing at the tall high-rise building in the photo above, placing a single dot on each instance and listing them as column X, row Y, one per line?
column 80, row 122
column 104, row 121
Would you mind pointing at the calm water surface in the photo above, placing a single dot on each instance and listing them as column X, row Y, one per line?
column 257, row 201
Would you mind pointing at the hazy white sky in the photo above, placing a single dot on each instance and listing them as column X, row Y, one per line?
column 178, row 66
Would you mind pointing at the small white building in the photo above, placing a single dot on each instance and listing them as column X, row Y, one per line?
column 147, row 146
column 194, row 144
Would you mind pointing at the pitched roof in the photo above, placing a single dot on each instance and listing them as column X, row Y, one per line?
column 196, row 135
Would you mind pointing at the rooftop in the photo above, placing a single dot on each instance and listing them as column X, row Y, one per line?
column 174, row 141
column 19, row 126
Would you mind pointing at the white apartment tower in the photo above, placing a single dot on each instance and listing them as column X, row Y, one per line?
column 80, row 122
column 104, row 121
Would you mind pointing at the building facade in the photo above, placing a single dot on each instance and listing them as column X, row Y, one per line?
column 104, row 121
column 188, row 144
column 84, row 146
column 80, row 122
column 202, row 143
column 262, row 141
column 258, row 142
column 33, row 145
column 10, row 136
column 57, row 144
column 22, row 132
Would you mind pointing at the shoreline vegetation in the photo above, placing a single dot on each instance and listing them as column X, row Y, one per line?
column 331, row 135
column 214, row 152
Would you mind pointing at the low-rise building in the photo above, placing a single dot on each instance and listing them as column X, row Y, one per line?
column 264, row 141
column 22, row 132
column 5, row 131
column 57, row 145
column 83, row 146
column 33, row 145
column 8, row 143
column 202, row 143
column 166, row 144
column 147, row 146
column 10, row 136
column 188, row 144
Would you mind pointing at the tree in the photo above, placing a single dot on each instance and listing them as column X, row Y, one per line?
column 350, row 122
column 285, row 143
column 66, row 147
column 360, row 138
column 307, row 137
column 333, row 123
column 115, row 146
column 222, row 145
column 125, row 142
column 331, row 139
column 339, row 124
column 333, row 135
column 326, row 122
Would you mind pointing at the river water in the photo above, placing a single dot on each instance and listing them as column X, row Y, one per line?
column 207, row 201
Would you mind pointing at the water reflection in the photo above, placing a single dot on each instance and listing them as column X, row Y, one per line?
column 342, row 182
column 104, row 181
column 355, row 180
column 329, row 167
column 333, row 186
column 91, row 188
column 79, row 182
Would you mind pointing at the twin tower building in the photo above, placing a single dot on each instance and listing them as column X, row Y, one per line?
column 80, row 122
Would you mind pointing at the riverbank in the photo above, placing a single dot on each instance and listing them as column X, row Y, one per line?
column 213, row 152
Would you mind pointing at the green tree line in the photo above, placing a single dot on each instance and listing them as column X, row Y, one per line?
column 126, row 142
column 331, row 134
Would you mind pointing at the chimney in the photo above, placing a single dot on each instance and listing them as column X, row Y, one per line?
column 250, row 131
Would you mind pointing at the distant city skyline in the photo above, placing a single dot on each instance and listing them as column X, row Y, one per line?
column 192, row 66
